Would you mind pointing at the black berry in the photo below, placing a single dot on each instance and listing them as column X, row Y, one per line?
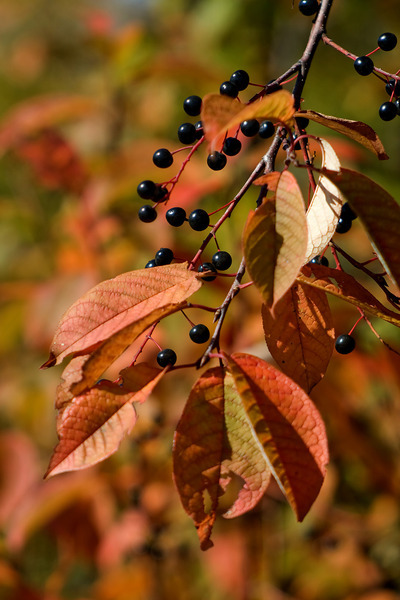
column 199, row 334
column 320, row 260
column 387, row 41
column 363, row 65
column 393, row 86
column 240, row 78
column 343, row 225
column 302, row 122
column 228, row 89
column 192, row 106
column 147, row 214
column 199, row 129
column 207, row 267
column 308, row 7
column 222, row 260
column 250, row 128
column 163, row 158
column 164, row 257
column 150, row 264
column 146, row 189
column 166, row 357
column 161, row 194
column 176, row 216
column 187, row 133
column 397, row 105
column 216, row 161
column 232, row 146
column 388, row 111
column 266, row 130
column 347, row 212
column 345, row 344
column 199, row 219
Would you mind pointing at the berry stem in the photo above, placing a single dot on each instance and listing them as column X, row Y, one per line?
column 175, row 179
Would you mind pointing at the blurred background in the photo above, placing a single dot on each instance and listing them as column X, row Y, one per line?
column 89, row 90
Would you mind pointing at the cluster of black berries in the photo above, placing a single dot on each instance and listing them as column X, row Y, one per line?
column 347, row 216
column 164, row 256
column 148, row 190
column 221, row 261
column 199, row 334
column 364, row 65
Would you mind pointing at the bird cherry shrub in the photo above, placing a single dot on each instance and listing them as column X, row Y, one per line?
column 245, row 419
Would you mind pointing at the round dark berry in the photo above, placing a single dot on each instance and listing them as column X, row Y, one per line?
column 232, row 146
column 296, row 146
column 250, row 128
column 347, row 212
column 222, row 260
column 320, row 260
column 199, row 219
column 207, row 267
column 397, row 105
column 308, row 7
column 216, row 161
column 146, row 189
column 364, row 65
column 166, row 357
column 176, row 216
column 161, row 194
column 302, row 122
column 241, row 79
column 343, row 225
column 388, row 111
column 199, row 334
column 199, row 129
column 266, row 130
column 345, row 344
column 387, row 41
column 150, row 264
column 192, row 105
column 163, row 158
column 187, row 133
column 393, row 86
column 228, row 89
column 147, row 214
column 164, row 257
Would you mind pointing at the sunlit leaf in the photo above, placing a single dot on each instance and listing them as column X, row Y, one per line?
column 118, row 303
column 356, row 130
column 300, row 335
column 275, row 240
column 288, row 427
column 378, row 212
column 347, row 289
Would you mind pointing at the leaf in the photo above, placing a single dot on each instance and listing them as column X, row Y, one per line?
column 356, row 130
column 118, row 303
column 220, row 113
column 325, row 206
column 348, row 289
column 287, row 427
column 378, row 212
column 93, row 424
column 300, row 334
column 212, row 442
column 275, row 240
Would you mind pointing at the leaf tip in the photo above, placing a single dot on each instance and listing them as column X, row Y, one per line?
column 50, row 362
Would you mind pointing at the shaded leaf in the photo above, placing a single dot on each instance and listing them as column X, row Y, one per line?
column 288, row 427
column 378, row 212
column 270, row 179
column 275, row 240
column 356, row 130
column 300, row 334
column 347, row 289
column 118, row 303
column 325, row 206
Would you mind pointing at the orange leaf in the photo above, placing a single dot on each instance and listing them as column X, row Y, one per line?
column 118, row 303
column 378, row 212
column 288, row 427
column 356, row 130
column 300, row 334
column 275, row 240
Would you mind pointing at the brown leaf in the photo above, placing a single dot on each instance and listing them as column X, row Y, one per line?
column 117, row 304
column 300, row 335
column 356, row 130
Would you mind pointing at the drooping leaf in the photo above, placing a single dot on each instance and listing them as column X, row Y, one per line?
column 378, row 212
column 116, row 304
column 270, row 179
column 325, row 206
column 288, row 427
column 220, row 113
column 300, row 335
column 347, row 289
column 275, row 240
column 356, row 130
